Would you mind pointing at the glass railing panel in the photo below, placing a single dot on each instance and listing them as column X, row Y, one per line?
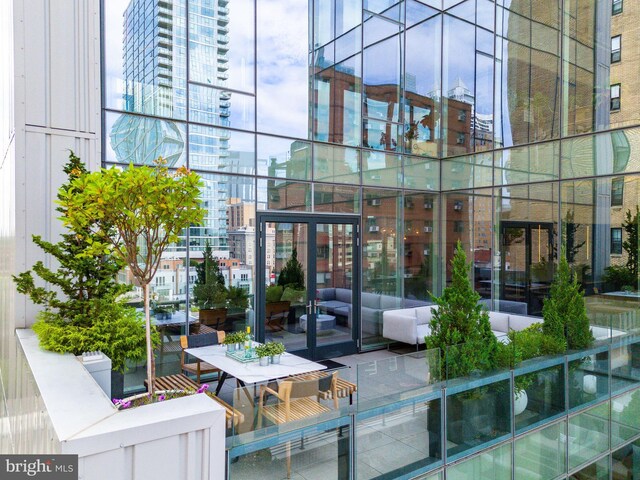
column 625, row 364
column 588, row 377
column 397, row 378
column 319, row 451
column 399, row 440
column 588, row 435
column 430, row 476
column 477, row 413
column 625, row 417
column 541, row 455
column 265, row 409
column 596, row 471
column 494, row 464
column 626, row 461
column 539, row 392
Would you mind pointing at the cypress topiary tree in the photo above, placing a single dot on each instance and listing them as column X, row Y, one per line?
column 292, row 274
column 564, row 312
column 209, row 290
column 460, row 327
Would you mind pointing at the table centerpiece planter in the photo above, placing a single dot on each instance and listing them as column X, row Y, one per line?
column 263, row 352
column 276, row 349
column 233, row 341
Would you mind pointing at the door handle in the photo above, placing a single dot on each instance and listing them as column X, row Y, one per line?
column 309, row 308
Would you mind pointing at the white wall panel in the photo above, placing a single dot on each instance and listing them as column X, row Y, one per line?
column 57, row 100
column 31, row 34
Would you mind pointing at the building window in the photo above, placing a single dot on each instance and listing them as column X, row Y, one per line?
column 460, row 138
column 458, row 226
column 616, row 43
column 615, row 97
column 616, row 241
column 617, row 192
column 616, row 7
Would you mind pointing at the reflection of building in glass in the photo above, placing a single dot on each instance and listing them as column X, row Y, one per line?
column 141, row 140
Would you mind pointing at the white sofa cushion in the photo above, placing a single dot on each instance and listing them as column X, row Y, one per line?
column 423, row 330
column 520, row 322
column 499, row 321
column 424, row 314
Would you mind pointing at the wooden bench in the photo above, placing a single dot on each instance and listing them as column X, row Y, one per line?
column 344, row 388
column 180, row 381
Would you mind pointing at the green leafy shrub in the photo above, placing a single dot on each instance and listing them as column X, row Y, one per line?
column 235, row 337
column 117, row 331
column 273, row 293
column 618, row 276
column 294, row 296
column 237, row 297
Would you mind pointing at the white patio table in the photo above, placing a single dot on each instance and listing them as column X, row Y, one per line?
column 252, row 372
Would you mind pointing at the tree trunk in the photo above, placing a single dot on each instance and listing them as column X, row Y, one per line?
column 151, row 364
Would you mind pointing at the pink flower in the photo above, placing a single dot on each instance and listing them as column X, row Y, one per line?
column 203, row 388
column 161, row 398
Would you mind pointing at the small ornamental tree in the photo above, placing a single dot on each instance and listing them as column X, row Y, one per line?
column 209, row 290
column 292, row 274
column 460, row 327
column 564, row 312
column 146, row 208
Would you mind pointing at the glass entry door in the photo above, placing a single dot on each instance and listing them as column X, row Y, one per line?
column 308, row 280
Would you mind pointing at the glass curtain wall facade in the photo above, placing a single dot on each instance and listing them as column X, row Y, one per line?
column 431, row 121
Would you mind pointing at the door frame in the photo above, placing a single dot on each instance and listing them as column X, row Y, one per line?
column 528, row 234
column 313, row 351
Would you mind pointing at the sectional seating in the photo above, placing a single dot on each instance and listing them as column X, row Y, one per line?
column 337, row 301
column 411, row 325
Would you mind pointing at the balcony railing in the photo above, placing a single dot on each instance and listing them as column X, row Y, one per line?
column 406, row 422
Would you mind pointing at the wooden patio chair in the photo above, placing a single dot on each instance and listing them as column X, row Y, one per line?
column 297, row 399
column 277, row 314
column 199, row 340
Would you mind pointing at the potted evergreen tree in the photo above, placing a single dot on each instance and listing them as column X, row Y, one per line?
column 209, row 291
column 460, row 329
column 83, row 311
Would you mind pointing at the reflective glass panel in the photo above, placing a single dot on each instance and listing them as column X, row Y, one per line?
column 336, row 164
column 422, row 85
column 146, row 63
column 218, row 149
column 490, row 465
column 336, row 198
column 588, row 435
column 283, row 69
column 382, row 169
column 221, row 108
column 541, row 455
column 284, row 195
column 141, row 140
column 381, row 80
column 221, row 44
column 284, row 158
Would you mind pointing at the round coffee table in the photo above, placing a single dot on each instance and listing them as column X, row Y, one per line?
column 323, row 322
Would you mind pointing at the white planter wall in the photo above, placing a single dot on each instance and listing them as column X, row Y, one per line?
column 59, row 408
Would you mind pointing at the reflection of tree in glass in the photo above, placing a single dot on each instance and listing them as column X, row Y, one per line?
column 209, row 290
column 292, row 274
